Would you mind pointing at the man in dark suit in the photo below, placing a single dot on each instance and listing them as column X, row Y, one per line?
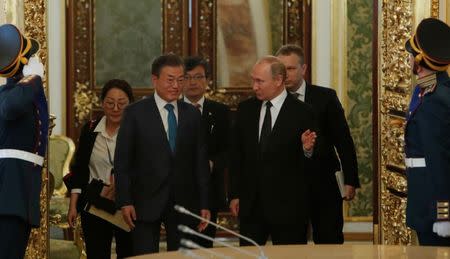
column 161, row 160
column 333, row 135
column 270, row 145
column 23, row 140
column 216, row 119
column 427, row 135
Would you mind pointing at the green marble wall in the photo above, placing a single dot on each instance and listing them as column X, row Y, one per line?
column 359, row 90
column 127, row 38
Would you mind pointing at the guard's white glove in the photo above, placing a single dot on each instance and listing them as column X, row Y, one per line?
column 442, row 228
column 34, row 67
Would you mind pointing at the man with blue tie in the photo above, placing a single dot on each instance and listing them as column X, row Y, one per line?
column 161, row 160
column 427, row 134
column 23, row 140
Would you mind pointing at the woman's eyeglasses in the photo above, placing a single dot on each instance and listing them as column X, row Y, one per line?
column 111, row 105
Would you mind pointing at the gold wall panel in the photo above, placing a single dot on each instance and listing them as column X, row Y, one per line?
column 395, row 84
column 36, row 27
column 398, row 21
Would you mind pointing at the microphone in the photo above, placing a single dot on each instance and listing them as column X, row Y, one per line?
column 189, row 253
column 193, row 245
column 183, row 210
column 188, row 230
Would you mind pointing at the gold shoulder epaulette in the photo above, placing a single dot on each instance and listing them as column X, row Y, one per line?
column 27, row 79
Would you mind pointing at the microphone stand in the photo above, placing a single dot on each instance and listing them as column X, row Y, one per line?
column 189, row 230
column 187, row 212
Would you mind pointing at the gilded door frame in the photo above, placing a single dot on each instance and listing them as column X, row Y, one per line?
column 35, row 26
column 398, row 19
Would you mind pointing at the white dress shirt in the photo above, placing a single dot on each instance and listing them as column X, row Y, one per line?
column 100, row 165
column 277, row 102
column 301, row 91
column 160, row 103
column 200, row 102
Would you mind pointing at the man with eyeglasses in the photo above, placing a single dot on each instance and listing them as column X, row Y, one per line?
column 216, row 118
column 161, row 160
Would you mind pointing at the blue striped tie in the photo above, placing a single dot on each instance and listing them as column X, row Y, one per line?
column 172, row 123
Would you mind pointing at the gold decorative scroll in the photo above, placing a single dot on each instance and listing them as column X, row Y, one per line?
column 395, row 86
column 36, row 28
column 85, row 100
column 435, row 8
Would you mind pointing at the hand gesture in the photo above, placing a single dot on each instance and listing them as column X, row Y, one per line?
column 206, row 215
column 308, row 140
column 234, row 207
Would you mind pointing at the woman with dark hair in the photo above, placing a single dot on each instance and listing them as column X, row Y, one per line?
column 94, row 160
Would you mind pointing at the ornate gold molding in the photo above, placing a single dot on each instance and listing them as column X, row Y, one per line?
column 36, row 28
column 293, row 15
column 174, row 26
column 396, row 26
column 207, row 34
column 435, row 8
column 85, row 100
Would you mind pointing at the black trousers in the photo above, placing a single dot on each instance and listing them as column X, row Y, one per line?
column 14, row 234
column 432, row 239
column 98, row 235
column 209, row 231
column 257, row 228
column 146, row 235
column 326, row 215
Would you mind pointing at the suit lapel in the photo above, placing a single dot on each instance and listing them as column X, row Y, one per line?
column 254, row 122
column 208, row 117
column 309, row 94
column 283, row 117
column 181, row 122
column 206, row 110
column 161, row 131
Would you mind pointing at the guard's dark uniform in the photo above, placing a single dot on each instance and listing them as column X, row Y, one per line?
column 427, row 134
column 23, row 142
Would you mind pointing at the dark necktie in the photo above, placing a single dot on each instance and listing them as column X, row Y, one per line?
column 266, row 127
column 198, row 106
column 172, row 126
column 295, row 94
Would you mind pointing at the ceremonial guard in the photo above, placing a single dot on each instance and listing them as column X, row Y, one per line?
column 23, row 140
column 427, row 134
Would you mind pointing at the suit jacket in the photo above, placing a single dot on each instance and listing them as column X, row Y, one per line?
column 216, row 118
column 277, row 175
column 148, row 174
column 333, row 132
column 427, row 135
column 23, row 126
column 79, row 168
